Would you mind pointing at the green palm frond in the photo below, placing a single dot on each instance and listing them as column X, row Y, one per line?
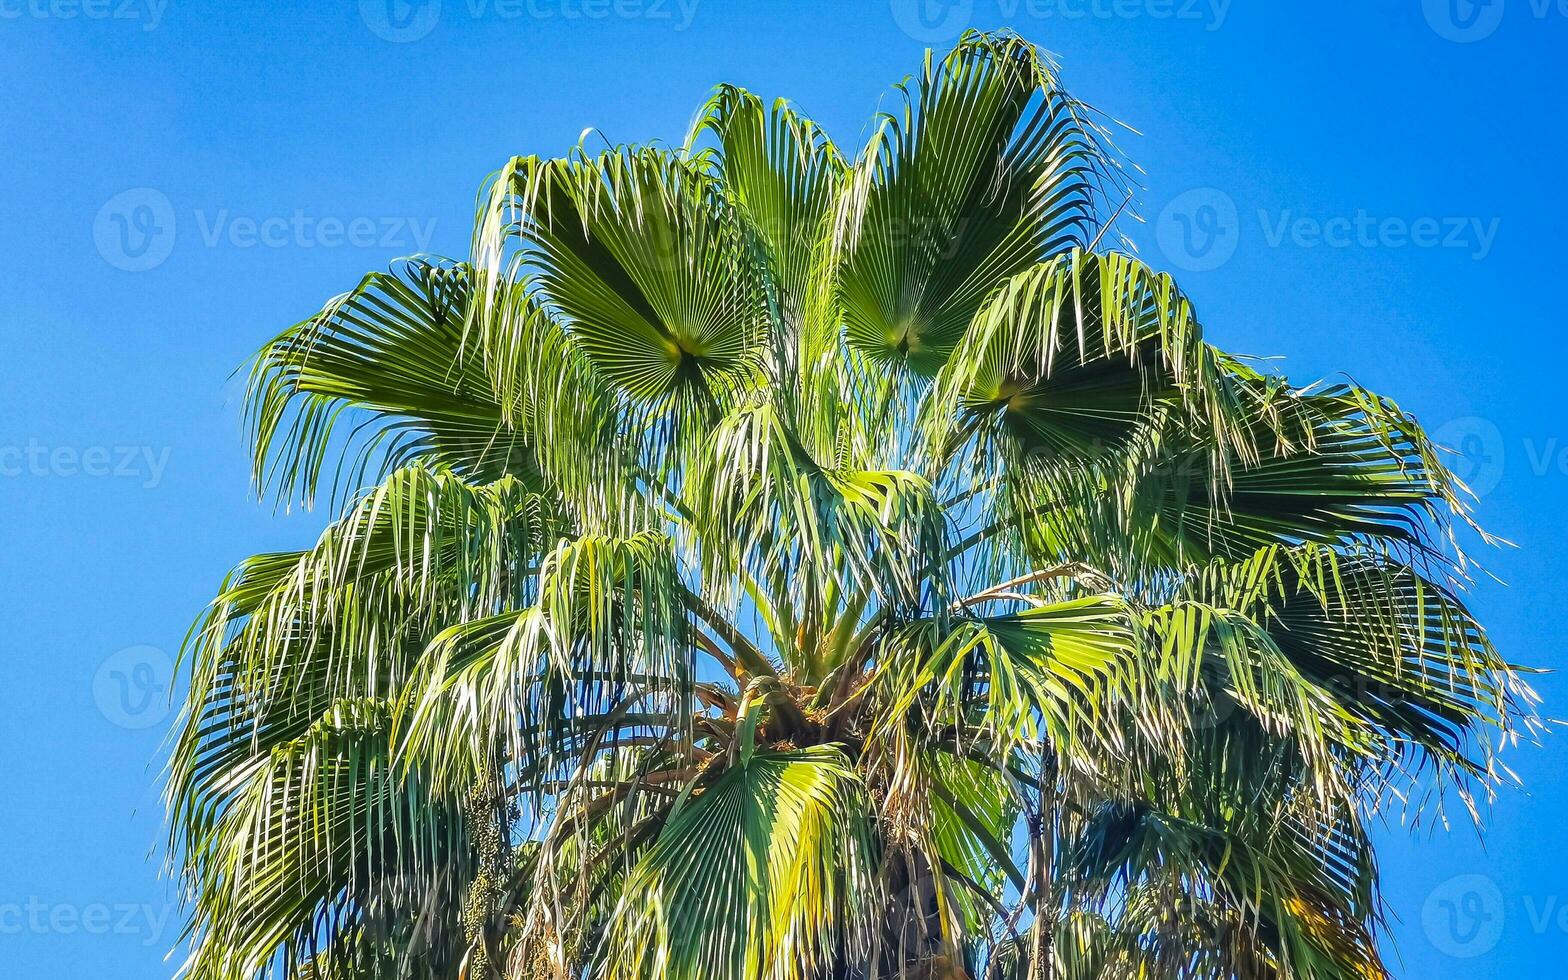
column 327, row 840
column 291, row 634
column 1400, row 655
column 636, row 250
column 987, row 168
column 389, row 357
column 609, row 630
column 760, row 564
column 783, row 175
column 771, row 872
column 1043, row 675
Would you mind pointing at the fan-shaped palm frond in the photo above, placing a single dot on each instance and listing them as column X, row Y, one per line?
column 757, row 563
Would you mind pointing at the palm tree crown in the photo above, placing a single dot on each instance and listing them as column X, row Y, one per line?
column 782, row 565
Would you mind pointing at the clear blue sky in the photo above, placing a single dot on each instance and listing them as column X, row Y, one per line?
column 1374, row 188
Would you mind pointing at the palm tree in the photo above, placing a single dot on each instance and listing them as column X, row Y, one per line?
column 777, row 565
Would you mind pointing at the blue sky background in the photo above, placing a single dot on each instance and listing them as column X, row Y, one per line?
column 1373, row 188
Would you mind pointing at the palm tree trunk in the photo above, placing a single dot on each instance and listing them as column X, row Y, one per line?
column 1042, row 827
column 915, row 944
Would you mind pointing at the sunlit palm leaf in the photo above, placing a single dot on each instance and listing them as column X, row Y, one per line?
column 389, row 357
column 986, row 169
column 768, row 875
column 328, row 840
